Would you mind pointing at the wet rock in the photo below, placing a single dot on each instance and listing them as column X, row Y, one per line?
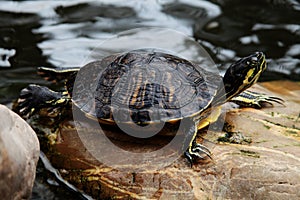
column 184, row 11
column 90, row 11
column 267, row 166
column 19, row 153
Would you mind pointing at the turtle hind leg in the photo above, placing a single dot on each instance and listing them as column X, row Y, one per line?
column 255, row 100
column 35, row 97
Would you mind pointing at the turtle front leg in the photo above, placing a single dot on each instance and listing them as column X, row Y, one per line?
column 255, row 100
column 35, row 97
column 195, row 150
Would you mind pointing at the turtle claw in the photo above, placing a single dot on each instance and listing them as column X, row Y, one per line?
column 262, row 99
column 271, row 99
column 201, row 149
column 197, row 151
column 189, row 158
column 26, row 102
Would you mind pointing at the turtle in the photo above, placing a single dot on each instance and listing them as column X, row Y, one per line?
column 151, row 87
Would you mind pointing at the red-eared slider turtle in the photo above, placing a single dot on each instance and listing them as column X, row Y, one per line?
column 143, row 82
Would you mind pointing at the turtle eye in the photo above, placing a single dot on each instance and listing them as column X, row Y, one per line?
column 254, row 59
column 253, row 62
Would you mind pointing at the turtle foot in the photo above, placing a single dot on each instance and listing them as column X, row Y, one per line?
column 35, row 97
column 197, row 151
column 256, row 100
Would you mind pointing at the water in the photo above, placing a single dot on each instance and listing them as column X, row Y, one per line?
column 63, row 33
column 71, row 33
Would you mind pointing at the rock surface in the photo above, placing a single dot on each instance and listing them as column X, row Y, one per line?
column 19, row 153
column 266, row 166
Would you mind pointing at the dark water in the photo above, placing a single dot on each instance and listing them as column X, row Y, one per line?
column 70, row 33
column 62, row 34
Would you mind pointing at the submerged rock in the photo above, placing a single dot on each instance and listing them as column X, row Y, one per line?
column 19, row 153
column 265, row 164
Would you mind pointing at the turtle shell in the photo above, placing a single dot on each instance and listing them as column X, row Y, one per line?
column 143, row 86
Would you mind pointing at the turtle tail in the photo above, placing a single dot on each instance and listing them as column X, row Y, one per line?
column 68, row 75
column 57, row 74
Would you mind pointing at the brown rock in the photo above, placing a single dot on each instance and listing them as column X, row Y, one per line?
column 19, row 153
column 266, row 166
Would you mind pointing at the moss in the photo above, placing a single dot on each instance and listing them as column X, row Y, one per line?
column 234, row 138
column 262, row 141
column 291, row 132
column 250, row 153
column 267, row 127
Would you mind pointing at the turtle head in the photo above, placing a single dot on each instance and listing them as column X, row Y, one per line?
column 243, row 73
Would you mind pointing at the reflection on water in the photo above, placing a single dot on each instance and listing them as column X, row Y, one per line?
column 72, row 33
